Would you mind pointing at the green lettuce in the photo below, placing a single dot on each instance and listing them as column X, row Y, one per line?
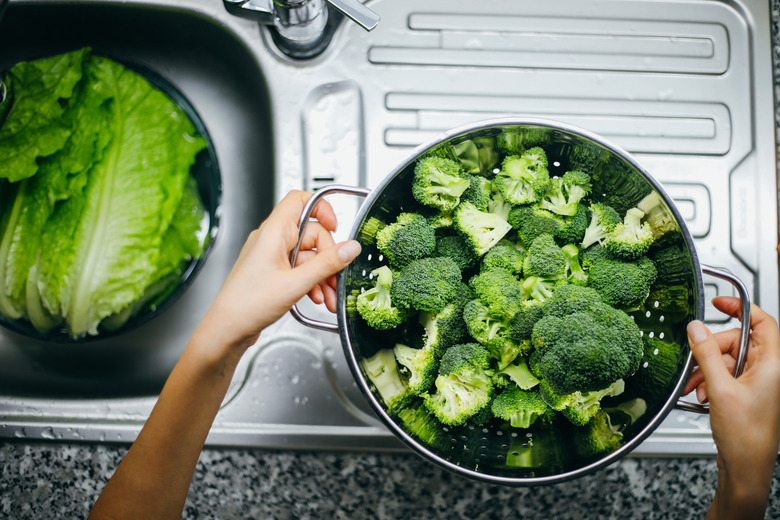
column 108, row 217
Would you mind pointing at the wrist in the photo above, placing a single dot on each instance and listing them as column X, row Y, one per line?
column 742, row 495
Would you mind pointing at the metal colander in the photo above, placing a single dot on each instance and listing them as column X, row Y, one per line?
column 497, row 452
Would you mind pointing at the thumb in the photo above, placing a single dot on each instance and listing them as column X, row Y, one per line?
column 325, row 264
column 707, row 353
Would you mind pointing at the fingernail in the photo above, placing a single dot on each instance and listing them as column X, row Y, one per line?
column 701, row 395
column 349, row 250
column 696, row 331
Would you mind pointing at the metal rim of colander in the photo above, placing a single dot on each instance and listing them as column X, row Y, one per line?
column 354, row 362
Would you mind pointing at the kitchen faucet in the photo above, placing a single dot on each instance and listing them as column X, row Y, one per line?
column 303, row 28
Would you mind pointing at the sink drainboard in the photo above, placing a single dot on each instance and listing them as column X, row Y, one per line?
column 686, row 86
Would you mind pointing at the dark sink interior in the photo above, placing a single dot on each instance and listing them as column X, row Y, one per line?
column 216, row 73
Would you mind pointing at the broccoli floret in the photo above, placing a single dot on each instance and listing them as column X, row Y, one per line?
column 657, row 370
column 631, row 238
column 455, row 247
column 584, row 156
column 514, row 141
column 587, row 350
column 618, row 185
column 569, row 299
column 382, row 371
column 498, row 205
column 531, row 222
column 409, row 238
column 597, row 436
column 603, row 220
column 481, row 230
column 478, row 156
column 350, row 303
column 419, row 422
column 427, row 284
column 441, row 220
column 573, row 229
column 438, row 182
column 375, row 305
column 544, row 258
column 520, row 407
column 622, row 284
column 478, row 193
column 523, row 179
column 518, row 373
column 593, row 255
column 578, row 407
column 500, row 290
column 565, row 193
column 539, row 288
column 445, row 328
column 463, row 386
column 657, row 215
column 626, row 413
column 490, row 331
column 522, row 324
column 418, row 367
column 573, row 271
column 368, row 231
column 673, row 264
column 504, row 256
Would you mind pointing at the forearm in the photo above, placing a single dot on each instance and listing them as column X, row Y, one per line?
column 153, row 479
column 741, row 496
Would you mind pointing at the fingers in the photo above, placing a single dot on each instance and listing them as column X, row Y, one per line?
column 707, row 353
column 326, row 263
column 291, row 207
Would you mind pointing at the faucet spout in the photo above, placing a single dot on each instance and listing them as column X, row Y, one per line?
column 302, row 26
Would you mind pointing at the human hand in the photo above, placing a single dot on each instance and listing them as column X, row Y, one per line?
column 744, row 412
column 262, row 285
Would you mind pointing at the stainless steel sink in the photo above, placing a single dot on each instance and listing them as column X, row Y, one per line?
column 686, row 85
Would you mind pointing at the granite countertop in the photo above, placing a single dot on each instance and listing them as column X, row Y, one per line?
column 56, row 480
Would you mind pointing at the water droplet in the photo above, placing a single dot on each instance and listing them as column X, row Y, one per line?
column 47, row 433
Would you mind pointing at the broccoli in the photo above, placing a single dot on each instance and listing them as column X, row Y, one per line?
column 603, row 220
column 518, row 373
column 454, row 247
column 544, row 258
column 539, row 288
column 657, row 370
column 367, row 234
column 573, row 271
column 438, row 182
column 350, row 303
column 522, row 324
column 441, row 220
column 657, row 215
column 463, row 386
column 597, row 436
column 572, row 231
column 520, row 407
column 587, row 350
column 500, row 290
column 478, row 156
column 578, row 407
column 445, row 328
column 531, row 222
column 565, row 193
column 375, row 305
column 673, row 299
column 673, row 264
column 409, row 238
column 505, row 256
column 631, row 238
column 498, row 205
column 488, row 330
column 626, row 413
column 481, row 230
column 618, row 185
column 523, row 179
column 569, row 299
column 478, row 193
column 382, row 371
column 427, row 284
column 419, row 422
column 622, row 284
column 417, row 367
column 583, row 156
column 514, row 141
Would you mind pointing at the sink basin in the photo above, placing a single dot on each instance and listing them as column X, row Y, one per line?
column 214, row 71
column 684, row 85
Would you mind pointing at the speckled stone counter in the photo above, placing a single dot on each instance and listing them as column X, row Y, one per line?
column 52, row 481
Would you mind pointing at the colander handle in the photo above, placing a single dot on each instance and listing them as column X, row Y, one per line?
column 305, row 216
column 743, row 338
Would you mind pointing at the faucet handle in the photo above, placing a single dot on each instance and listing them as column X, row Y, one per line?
column 357, row 12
